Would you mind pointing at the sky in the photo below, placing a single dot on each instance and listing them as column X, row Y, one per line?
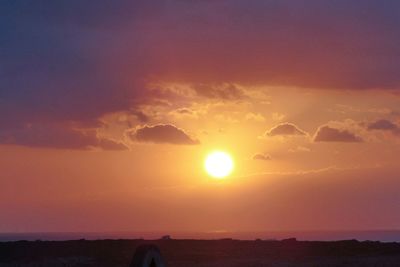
column 109, row 108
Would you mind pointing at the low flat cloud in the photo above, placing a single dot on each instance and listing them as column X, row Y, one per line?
column 261, row 156
column 162, row 134
column 327, row 133
column 285, row 129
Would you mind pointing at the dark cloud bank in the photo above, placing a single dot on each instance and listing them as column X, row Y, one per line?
column 63, row 61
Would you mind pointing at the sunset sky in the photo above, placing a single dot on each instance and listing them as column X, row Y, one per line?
column 108, row 110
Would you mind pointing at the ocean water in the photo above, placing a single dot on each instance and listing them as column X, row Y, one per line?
column 373, row 235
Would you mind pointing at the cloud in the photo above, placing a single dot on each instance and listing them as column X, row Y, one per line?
column 299, row 149
column 184, row 113
column 162, row 133
column 141, row 116
column 384, row 125
column 227, row 52
column 109, row 144
column 260, row 156
column 276, row 116
column 285, row 129
column 221, row 91
column 257, row 117
column 327, row 133
column 57, row 137
column 58, row 63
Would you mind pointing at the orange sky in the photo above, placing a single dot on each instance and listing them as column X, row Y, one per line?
column 108, row 112
column 301, row 183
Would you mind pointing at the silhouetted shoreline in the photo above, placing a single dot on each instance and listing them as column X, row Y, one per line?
column 224, row 252
column 315, row 235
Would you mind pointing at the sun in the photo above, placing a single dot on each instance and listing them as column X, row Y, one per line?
column 218, row 164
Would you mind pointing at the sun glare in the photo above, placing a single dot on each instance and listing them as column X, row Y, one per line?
column 218, row 164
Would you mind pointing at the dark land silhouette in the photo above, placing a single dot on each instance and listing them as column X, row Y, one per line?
column 204, row 253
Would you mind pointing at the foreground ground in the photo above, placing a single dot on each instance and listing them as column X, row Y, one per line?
column 201, row 253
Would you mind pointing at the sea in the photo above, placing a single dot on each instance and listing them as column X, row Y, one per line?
column 371, row 235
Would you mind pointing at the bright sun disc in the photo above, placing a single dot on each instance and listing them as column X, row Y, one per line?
column 219, row 164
